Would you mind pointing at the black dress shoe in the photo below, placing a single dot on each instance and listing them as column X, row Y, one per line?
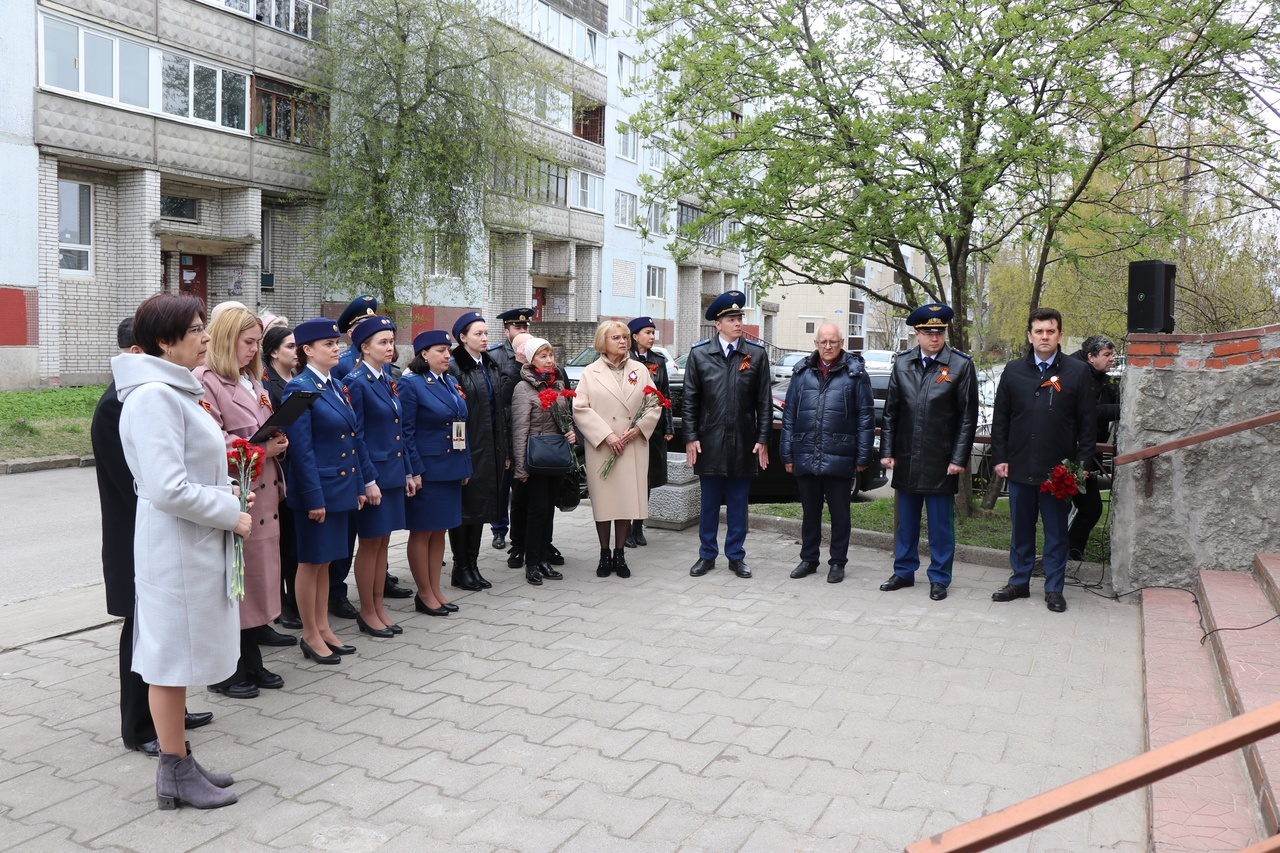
column 475, row 573
column 308, row 652
column 364, row 627
column 452, row 608
column 343, row 649
column 554, row 557
column 266, row 680
column 804, row 569
column 631, row 538
column 421, row 606
column 1055, row 602
column 265, row 635
column 391, row 590
column 395, row 629
column 515, row 558
column 637, row 530
column 462, row 579
column 740, row 568
column 196, row 720
column 620, row 567
column 701, row 567
column 237, row 690
column 532, row 576
column 293, row 623
column 897, row 582
column 1009, row 592
column 150, row 748
column 937, row 591
column 605, row 567
column 836, row 573
column 342, row 608
column 500, row 541
column 546, row 571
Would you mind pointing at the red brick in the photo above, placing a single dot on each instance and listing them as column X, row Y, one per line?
column 1237, row 360
column 1144, row 349
column 1145, row 338
column 1192, row 363
column 1236, row 347
column 1234, row 335
column 1214, row 363
column 1162, row 362
column 1170, row 348
column 1138, row 361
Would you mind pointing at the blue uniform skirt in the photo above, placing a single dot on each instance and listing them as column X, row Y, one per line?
column 436, row 506
column 322, row 543
column 373, row 522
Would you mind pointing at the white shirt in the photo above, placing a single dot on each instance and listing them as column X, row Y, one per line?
column 724, row 345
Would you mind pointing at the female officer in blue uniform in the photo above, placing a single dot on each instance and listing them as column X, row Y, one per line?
column 433, row 403
column 373, row 397
column 330, row 477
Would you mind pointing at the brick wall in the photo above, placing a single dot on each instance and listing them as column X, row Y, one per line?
column 1216, row 503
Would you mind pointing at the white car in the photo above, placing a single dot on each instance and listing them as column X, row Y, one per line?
column 782, row 368
column 878, row 360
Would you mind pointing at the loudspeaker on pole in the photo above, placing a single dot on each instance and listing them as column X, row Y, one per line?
column 1151, row 292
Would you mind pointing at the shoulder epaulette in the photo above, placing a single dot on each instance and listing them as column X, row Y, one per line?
column 962, row 353
column 494, row 347
column 700, row 343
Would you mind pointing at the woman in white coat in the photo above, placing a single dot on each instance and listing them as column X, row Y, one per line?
column 186, row 625
column 609, row 394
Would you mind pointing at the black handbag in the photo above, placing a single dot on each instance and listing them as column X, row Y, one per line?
column 548, row 455
column 572, row 485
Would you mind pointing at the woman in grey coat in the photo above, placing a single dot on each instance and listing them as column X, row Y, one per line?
column 186, row 626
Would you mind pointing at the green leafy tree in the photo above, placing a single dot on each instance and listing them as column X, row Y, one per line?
column 424, row 103
column 944, row 128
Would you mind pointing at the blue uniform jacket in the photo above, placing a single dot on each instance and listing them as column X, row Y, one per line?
column 430, row 409
column 327, row 462
column 378, row 423
column 347, row 361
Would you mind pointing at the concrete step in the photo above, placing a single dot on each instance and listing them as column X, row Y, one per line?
column 1249, row 665
column 1209, row 807
column 1267, row 568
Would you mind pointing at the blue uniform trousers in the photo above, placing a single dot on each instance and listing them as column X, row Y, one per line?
column 816, row 490
column 503, row 523
column 942, row 536
column 1025, row 503
column 732, row 492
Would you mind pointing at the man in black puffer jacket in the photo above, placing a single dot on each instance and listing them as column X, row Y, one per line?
column 828, row 436
column 930, row 417
column 1099, row 353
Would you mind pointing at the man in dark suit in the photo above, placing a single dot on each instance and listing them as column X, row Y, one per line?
column 1044, row 415
column 930, row 418
column 514, row 322
column 728, row 415
column 119, row 509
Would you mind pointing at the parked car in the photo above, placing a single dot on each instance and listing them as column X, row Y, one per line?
column 675, row 369
column 878, row 360
column 782, row 368
column 774, row 483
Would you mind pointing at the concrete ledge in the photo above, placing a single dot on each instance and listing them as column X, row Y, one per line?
column 49, row 616
column 46, row 463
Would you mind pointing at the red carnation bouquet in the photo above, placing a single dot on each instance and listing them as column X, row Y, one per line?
column 245, row 460
column 547, row 398
column 1065, row 480
column 653, row 398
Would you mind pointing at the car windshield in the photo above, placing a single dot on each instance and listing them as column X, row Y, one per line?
column 582, row 359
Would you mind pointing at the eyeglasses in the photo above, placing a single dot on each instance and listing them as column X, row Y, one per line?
column 826, row 344
column 930, row 331
column 197, row 329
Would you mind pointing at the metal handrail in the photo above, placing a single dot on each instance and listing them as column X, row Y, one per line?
column 1188, row 441
column 1127, row 776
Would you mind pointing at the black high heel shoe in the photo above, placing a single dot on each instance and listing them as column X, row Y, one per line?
column 395, row 629
column 344, row 649
column 384, row 633
column 308, row 652
column 452, row 608
column 421, row 606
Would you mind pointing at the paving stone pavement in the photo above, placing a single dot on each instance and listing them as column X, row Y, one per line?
column 660, row 713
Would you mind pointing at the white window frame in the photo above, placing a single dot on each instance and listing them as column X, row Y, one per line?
column 553, row 106
column 86, row 248
column 631, row 11
column 219, row 119
column 628, row 142
column 81, row 63
column 857, row 325
column 626, row 70
column 657, row 159
column 655, row 282
column 656, row 221
column 624, row 209
column 588, row 191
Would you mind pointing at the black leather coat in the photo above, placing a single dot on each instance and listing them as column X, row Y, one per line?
column 119, row 504
column 829, row 428
column 657, row 443
column 1037, row 425
column 727, row 407
column 930, row 417
column 488, row 438
column 1108, row 403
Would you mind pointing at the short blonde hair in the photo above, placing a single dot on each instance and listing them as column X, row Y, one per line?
column 607, row 328
column 224, row 334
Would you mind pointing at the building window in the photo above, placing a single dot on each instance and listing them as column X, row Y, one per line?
column 75, row 227
column 550, row 184
column 590, row 46
column 192, row 90
column 631, row 11
column 93, row 63
column 855, row 324
column 303, row 18
column 624, row 209
column 655, row 282
column 656, row 222
column 268, row 234
column 657, row 156
column 560, row 32
column 588, row 121
column 588, row 191
column 286, row 112
column 810, row 328
column 444, row 255
column 628, row 143
column 176, row 207
column 626, row 69
column 554, row 106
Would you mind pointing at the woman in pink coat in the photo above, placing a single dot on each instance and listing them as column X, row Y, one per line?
column 235, row 397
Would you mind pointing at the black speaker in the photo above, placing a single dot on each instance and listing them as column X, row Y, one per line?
column 1151, row 296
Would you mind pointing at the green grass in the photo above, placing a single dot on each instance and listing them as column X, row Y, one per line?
column 48, row 422
column 983, row 529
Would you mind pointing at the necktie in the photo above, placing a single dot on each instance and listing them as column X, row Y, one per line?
column 926, row 361
column 1044, row 365
column 728, row 351
column 487, row 384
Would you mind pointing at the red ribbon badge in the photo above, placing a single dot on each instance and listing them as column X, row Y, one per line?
column 1052, row 380
column 263, row 402
column 632, row 377
column 746, row 363
column 942, row 377
column 653, row 370
column 204, row 404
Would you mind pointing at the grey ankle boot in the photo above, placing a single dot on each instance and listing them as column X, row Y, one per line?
column 222, row 780
column 179, row 780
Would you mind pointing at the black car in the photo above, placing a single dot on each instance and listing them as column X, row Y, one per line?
column 775, row 485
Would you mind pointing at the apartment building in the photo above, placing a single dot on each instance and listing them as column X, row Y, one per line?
column 168, row 144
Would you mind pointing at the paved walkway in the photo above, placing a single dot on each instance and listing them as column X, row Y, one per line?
column 662, row 713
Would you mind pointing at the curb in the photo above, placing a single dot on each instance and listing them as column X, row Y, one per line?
column 45, row 463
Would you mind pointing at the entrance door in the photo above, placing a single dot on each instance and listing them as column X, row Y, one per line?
column 193, row 276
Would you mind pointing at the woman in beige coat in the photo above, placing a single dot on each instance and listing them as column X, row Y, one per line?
column 609, row 394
